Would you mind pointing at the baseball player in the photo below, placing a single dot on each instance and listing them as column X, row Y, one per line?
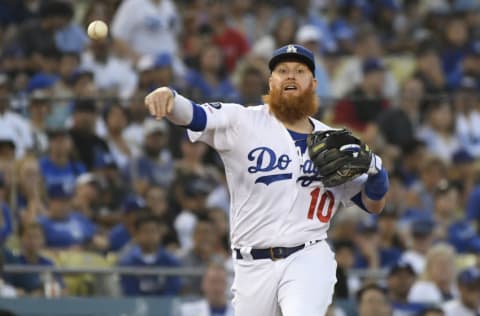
column 282, row 200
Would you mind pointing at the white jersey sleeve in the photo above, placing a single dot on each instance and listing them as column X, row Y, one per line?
column 352, row 188
column 222, row 122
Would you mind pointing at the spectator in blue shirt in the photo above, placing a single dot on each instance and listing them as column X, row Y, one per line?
column 59, row 165
column 32, row 243
column 64, row 227
column 400, row 279
column 147, row 251
column 210, row 82
column 6, row 227
column 122, row 233
column 155, row 166
column 371, row 253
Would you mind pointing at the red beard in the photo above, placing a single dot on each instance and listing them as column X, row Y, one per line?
column 291, row 108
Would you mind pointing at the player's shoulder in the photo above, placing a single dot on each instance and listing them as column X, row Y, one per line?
column 232, row 107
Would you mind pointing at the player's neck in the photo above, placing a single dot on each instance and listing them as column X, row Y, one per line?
column 301, row 126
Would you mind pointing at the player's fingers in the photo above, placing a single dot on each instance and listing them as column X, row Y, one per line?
column 150, row 105
column 170, row 103
column 160, row 107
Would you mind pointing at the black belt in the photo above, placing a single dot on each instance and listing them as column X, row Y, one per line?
column 273, row 253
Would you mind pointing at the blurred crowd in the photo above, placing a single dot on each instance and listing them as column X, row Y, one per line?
column 87, row 178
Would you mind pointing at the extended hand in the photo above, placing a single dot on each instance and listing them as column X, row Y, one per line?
column 160, row 102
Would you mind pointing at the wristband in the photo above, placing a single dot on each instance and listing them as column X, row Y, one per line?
column 377, row 185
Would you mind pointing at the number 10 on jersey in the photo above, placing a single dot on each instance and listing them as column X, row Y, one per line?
column 323, row 207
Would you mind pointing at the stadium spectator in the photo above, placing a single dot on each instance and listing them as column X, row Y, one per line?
column 251, row 84
column 243, row 20
column 134, row 132
column 400, row 279
column 345, row 255
column 467, row 116
column 408, row 166
column 191, row 192
column 64, row 227
column 192, row 160
column 87, row 195
column 138, row 27
column 59, row 164
column 372, row 253
column 310, row 37
column 468, row 302
column 210, row 81
column 113, row 77
column 157, row 204
column 29, row 190
column 14, row 127
column 114, row 189
column 85, row 140
column 421, row 240
column 435, row 285
column 431, row 311
column 429, row 69
column 38, row 111
column 202, row 252
column 432, row 171
column 437, row 131
column 116, row 119
column 6, row 223
column 398, row 124
column 365, row 102
column 147, row 251
column 232, row 43
column 156, row 71
column 372, row 300
column 7, row 290
column 154, row 166
column 214, row 301
column 40, row 35
column 350, row 72
column 32, row 245
column 282, row 29
column 121, row 234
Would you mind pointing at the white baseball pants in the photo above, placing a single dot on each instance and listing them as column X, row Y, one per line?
column 300, row 285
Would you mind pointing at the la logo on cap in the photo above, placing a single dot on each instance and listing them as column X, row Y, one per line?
column 291, row 49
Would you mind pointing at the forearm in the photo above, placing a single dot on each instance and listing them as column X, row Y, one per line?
column 166, row 102
column 374, row 190
column 182, row 111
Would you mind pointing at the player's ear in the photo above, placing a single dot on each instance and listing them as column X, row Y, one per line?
column 314, row 84
column 270, row 83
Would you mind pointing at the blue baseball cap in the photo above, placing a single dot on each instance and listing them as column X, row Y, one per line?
column 41, row 81
column 58, row 191
column 293, row 52
column 462, row 156
column 163, row 60
column 372, row 64
column 104, row 160
column 422, row 227
column 133, row 203
column 469, row 276
column 401, row 266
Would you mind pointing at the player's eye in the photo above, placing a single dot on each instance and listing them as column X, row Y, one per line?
column 282, row 70
column 300, row 71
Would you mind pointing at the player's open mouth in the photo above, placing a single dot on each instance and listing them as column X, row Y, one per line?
column 290, row 88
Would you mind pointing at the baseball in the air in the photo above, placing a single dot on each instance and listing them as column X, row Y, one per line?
column 97, row 30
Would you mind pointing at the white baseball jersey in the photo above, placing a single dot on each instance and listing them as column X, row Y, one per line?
column 276, row 197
